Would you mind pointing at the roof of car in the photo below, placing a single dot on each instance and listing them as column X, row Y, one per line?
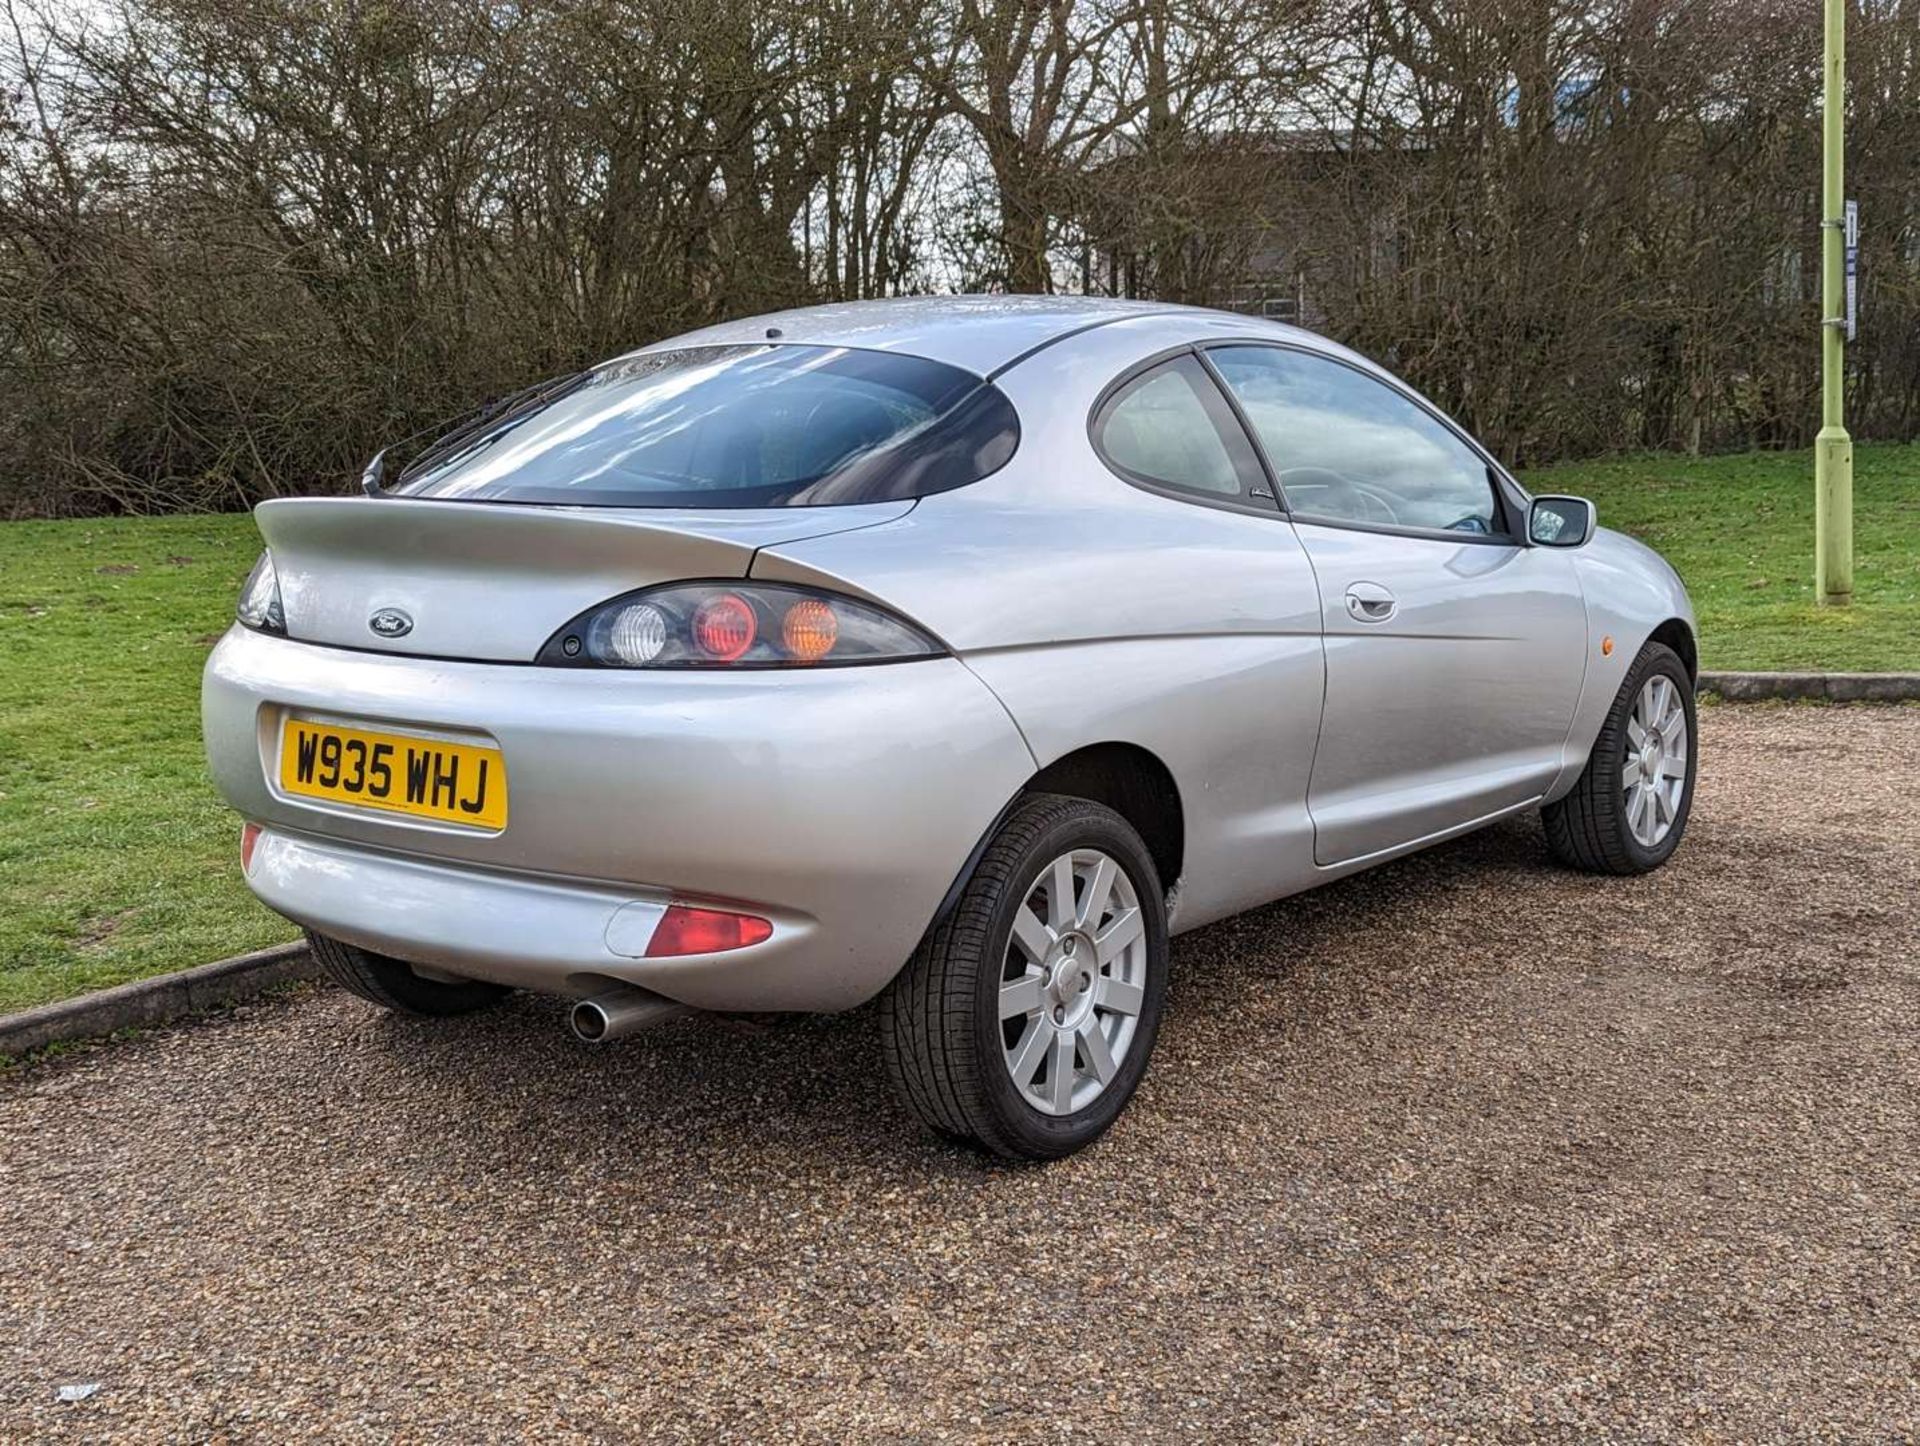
column 981, row 334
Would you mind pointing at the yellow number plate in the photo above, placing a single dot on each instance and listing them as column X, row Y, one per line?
column 424, row 777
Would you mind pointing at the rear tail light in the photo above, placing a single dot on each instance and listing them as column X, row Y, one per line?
column 260, row 607
column 749, row 625
column 249, row 840
column 685, row 929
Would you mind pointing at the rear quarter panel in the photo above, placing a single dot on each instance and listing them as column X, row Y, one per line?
column 1099, row 612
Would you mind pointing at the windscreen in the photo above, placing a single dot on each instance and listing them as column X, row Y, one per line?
column 737, row 426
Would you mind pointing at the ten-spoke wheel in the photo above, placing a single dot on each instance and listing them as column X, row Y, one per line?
column 1654, row 776
column 1073, row 982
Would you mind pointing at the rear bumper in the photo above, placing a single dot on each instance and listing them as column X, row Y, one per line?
column 556, row 936
column 840, row 804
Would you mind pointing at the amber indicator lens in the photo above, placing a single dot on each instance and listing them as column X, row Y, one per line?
column 810, row 630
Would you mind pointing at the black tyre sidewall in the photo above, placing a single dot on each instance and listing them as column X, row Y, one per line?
column 392, row 984
column 1028, row 1131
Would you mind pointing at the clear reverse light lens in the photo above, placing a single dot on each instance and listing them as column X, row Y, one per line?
column 633, row 633
column 260, row 599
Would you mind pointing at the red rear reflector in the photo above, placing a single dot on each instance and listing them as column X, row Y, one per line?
column 249, row 836
column 687, row 930
column 724, row 627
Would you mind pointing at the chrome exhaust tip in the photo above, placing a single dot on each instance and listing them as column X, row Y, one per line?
column 620, row 1012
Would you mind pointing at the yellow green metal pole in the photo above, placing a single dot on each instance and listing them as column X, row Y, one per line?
column 1833, row 448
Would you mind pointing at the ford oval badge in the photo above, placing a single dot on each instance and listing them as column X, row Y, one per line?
column 390, row 623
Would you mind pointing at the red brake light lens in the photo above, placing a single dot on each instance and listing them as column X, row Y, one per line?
column 724, row 627
column 685, row 929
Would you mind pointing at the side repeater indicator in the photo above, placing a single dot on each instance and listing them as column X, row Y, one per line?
column 1606, row 647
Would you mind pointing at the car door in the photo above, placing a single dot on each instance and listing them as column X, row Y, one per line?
column 1454, row 652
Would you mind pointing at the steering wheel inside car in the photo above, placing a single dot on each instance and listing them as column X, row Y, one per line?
column 1333, row 494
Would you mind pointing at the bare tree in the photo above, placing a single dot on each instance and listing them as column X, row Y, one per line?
column 243, row 242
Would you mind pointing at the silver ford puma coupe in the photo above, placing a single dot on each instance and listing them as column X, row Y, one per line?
column 953, row 651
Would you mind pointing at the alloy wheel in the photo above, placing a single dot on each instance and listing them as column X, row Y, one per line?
column 1072, row 981
column 1654, row 780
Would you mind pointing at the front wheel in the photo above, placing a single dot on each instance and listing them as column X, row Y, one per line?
column 1025, row 1018
column 1630, row 807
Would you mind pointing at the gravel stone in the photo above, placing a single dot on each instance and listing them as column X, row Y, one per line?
column 1464, row 1149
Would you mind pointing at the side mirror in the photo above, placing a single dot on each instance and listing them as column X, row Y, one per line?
column 1560, row 522
column 373, row 481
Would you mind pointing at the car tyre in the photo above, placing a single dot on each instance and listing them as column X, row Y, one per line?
column 1596, row 827
column 955, row 1054
column 392, row 983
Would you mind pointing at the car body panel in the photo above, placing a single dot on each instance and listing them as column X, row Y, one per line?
column 850, row 818
column 1630, row 591
column 494, row 581
column 843, row 804
column 980, row 334
column 1055, row 547
column 1231, row 716
column 1455, row 706
column 1099, row 611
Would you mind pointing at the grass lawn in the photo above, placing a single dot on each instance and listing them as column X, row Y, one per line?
column 117, row 859
column 1740, row 531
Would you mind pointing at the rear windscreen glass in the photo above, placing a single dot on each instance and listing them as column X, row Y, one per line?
column 736, row 426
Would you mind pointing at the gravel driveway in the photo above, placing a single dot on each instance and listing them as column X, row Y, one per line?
column 1465, row 1149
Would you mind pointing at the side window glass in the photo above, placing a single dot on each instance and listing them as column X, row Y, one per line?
column 1350, row 449
column 1170, row 427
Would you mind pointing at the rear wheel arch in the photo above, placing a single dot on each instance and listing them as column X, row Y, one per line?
column 1129, row 779
column 1135, row 784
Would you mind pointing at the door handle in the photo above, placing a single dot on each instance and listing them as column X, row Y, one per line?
column 1368, row 602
